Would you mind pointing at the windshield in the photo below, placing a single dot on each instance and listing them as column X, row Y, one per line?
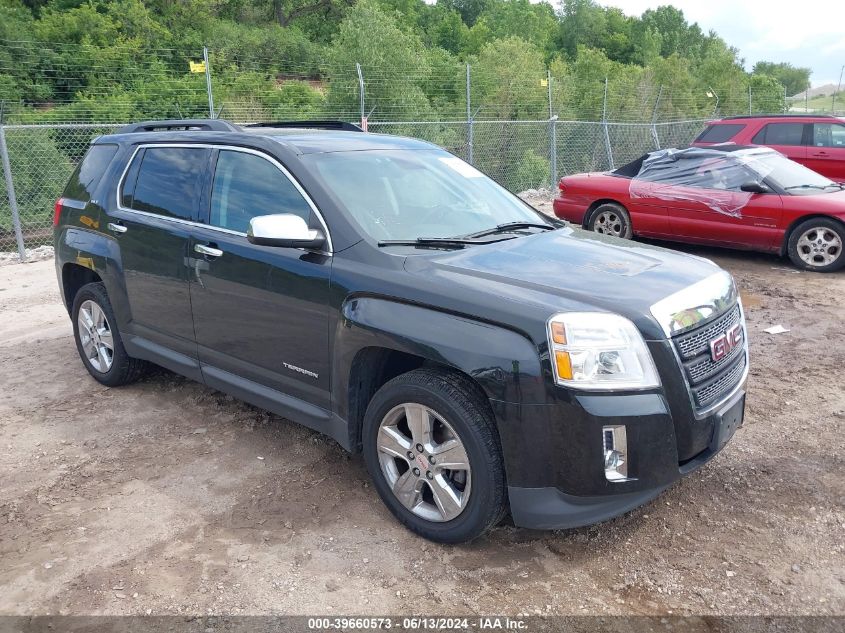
column 411, row 194
column 787, row 174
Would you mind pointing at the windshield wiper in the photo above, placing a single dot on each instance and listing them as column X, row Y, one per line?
column 443, row 242
column 810, row 186
column 509, row 226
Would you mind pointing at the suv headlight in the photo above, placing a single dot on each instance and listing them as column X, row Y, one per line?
column 599, row 350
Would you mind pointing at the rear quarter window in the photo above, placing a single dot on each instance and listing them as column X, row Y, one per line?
column 780, row 134
column 719, row 132
column 88, row 173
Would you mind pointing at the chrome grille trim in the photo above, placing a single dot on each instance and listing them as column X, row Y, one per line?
column 699, row 371
column 711, row 391
column 712, row 383
column 698, row 341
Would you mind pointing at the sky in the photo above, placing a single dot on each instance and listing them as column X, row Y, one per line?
column 806, row 33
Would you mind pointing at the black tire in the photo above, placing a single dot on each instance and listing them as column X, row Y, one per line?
column 456, row 400
column 805, row 237
column 610, row 218
column 123, row 369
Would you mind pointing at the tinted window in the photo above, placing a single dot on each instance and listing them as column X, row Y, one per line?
column 829, row 135
column 246, row 185
column 719, row 133
column 780, row 134
column 169, row 181
column 86, row 177
column 130, row 179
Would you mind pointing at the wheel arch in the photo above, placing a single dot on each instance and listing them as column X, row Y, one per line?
column 74, row 277
column 379, row 339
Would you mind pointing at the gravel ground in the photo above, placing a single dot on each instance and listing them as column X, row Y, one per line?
column 166, row 497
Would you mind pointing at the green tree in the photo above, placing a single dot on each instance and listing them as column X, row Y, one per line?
column 792, row 78
column 535, row 23
column 393, row 63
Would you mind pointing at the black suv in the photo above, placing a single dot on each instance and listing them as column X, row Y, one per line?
column 483, row 357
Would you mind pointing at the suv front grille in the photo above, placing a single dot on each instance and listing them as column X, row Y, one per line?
column 693, row 343
column 709, row 380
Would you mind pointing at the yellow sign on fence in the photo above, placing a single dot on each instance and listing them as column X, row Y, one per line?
column 197, row 67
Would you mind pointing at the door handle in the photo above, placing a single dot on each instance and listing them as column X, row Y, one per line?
column 116, row 228
column 820, row 154
column 210, row 251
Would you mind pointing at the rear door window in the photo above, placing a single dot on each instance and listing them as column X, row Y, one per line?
column 169, row 181
column 829, row 135
column 780, row 134
column 720, row 133
column 87, row 175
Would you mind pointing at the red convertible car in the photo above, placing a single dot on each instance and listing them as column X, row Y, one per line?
column 731, row 195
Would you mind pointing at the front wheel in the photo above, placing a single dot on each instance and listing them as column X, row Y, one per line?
column 433, row 452
column 816, row 244
column 611, row 219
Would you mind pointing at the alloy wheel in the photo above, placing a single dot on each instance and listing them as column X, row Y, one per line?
column 819, row 246
column 609, row 223
column 424, row 462
column 95, row 335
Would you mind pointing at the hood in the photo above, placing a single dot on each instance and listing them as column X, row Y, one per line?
column 572, row 268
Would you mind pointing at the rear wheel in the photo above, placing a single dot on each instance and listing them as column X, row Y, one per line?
column 432, row 450
column 610, row 218
column 98, row 339
column 816, row 244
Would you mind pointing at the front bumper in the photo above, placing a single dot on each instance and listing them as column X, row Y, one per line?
column 557, row 480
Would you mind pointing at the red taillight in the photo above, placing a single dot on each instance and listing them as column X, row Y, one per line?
column 57, row 211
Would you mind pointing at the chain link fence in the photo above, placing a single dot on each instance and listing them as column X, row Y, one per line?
column 519, row 155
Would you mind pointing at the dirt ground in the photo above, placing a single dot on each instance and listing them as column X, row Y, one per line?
column 166, row 497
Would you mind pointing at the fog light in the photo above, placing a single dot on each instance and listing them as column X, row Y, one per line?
column 615, row 445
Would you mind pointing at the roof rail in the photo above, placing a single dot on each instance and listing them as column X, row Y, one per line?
column 778, row 116
column 321, row 125
column 211, row 125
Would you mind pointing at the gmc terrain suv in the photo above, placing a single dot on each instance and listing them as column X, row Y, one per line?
column 816, row 141
column 484, row 357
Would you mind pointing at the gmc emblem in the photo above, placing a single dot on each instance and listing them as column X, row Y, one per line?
column 723, row 345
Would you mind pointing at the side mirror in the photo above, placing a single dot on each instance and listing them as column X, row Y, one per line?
column 285, row 230
column 754, row 187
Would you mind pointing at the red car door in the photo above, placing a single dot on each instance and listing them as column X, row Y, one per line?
column 786, row 138
column 647, row 209
column 740, row 221
column 826, row 153
column 710, row 208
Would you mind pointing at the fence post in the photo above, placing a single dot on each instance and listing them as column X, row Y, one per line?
column 361, row 95
column 838, row 86
column 606, row 129
column 208, row 82
column 470, row 134
column 749, row 98
column 552, row 134
column 654, row 119
column 10, row 190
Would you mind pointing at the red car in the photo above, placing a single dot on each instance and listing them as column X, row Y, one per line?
column 815, row 141
column 731, row 195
